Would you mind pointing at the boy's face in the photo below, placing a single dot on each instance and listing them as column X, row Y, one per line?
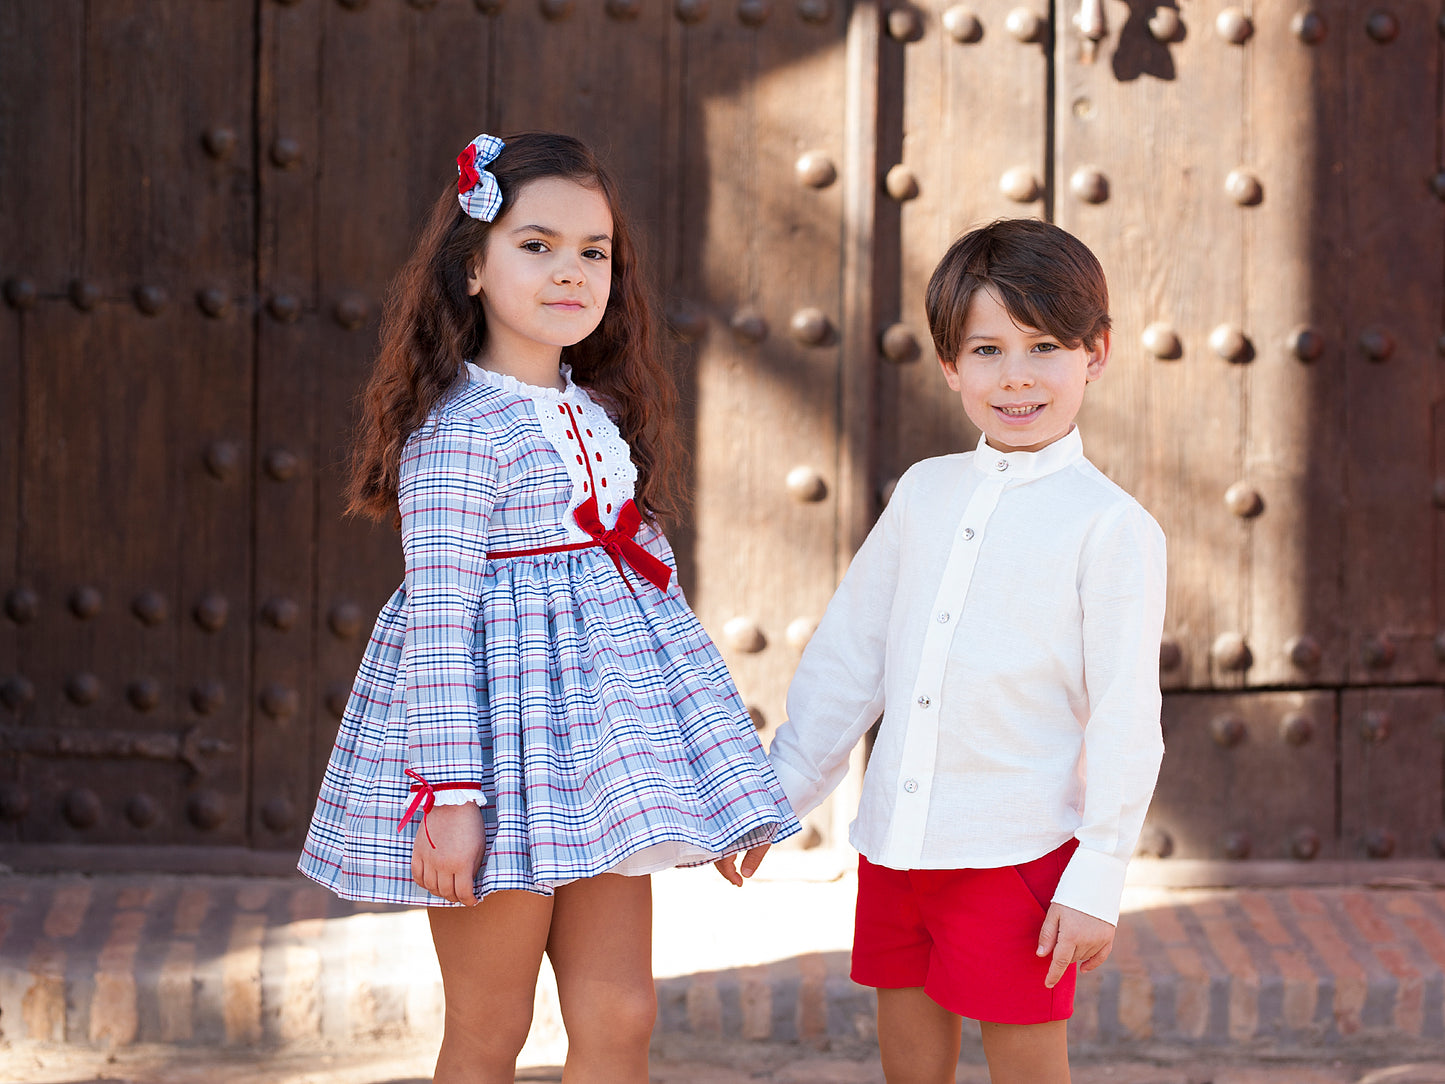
column 1018, row 384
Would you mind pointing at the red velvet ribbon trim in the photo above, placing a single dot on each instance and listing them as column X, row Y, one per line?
column 620, row 544
column 467, row 177
column 424, row 797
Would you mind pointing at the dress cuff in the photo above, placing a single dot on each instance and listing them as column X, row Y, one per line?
column 1093, row 882
column 459, row 797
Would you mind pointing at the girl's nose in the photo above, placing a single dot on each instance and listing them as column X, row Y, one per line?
column 569, row 273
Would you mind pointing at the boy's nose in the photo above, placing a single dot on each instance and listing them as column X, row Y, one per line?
column 1017, row 373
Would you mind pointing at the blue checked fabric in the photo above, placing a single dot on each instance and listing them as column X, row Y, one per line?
column 483, row 199
column 601, row 725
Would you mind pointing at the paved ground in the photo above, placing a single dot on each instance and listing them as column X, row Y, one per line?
column 149, row 979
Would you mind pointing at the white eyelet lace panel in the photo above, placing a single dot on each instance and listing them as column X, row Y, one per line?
column 594, row 453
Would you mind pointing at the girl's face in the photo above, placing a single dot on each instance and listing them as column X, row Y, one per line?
column 546, row 273
column 1021, row 386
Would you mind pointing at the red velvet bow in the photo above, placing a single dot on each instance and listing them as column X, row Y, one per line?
column 619, row 543
column 467, row 177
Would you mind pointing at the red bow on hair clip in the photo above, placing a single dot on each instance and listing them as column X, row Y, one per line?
column 467, row 175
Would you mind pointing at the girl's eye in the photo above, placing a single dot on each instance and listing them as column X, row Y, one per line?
column 595, row 254
column 535, row 245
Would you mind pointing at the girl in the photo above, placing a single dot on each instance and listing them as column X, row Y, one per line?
column 538, row 708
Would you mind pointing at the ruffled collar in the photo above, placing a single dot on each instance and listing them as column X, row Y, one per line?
column 511, row 384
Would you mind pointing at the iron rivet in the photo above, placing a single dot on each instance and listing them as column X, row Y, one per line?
column 206, row 810
column 285, row 307
column 14, row 802
column 1377, row 344
column 1090, row 185
column 82, row 689
column 905, row 24
column 753, row 12
column 1230, row 343
column 1378, row 651
column 1304, row 844
column 1165, row 25
column 806, row 485
column 1154, row 843
column 150, row 607
column 1025, row 25
column 279, row 702
column 1375, row 727
column 815, row 11
column 759, row 720
column 280, row 613
column 345, row 620
column 490, row 7
column 151, row 299
column 810, row 326
column 351, row 311
column 208, row 697
column 799, row 631
column 556, row 10
column 749, row 325
column 214, row 302
column 1297, row 728
column 84, row 295
column 222, row 458
column 1237, row 845
column 1306, row 343
column 219, row 142
column 1309, row 27
column 211, row 612
column 900, row 183
column 1227, row 730
column 336, row 697
column 1020, row 185
column 1234, row 26
column 1304, row 652
column 691, row 11
column 962, row 25
column 688, row 322
column 20, row 293
column 1244, row 188
column 17, row 693
column 144, row 694
column 1382, row 26
column 22, row 605
column 1243, row 500
column 1170, row 654
column 816, row 170
column 1161, row 340
column 1231, row 652
column 282, row 464
column 141, row 810
column 85, row 602
column 278, row 814
column 743, row 634
column 899, row 344
column 285, row 153
column 1380, row 843
column 81, row 807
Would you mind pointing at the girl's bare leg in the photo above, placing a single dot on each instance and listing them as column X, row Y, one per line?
column 490, row 955
column 1027, row 1053
column 601, row 951
column 918, row 1038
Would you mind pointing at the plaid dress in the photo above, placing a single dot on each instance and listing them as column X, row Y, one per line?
column 587, row 706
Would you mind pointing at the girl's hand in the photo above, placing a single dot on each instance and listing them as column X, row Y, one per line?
column 1073, row 936
column 449, row 868
column 751, row 861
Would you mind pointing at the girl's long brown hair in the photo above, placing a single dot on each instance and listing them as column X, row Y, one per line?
column 430, row 327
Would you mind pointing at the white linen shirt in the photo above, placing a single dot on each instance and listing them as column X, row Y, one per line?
column 1004, row 616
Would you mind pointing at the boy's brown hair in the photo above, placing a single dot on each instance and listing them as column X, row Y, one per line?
column 1044, row 276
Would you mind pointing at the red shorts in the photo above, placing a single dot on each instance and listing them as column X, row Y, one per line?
column 969, row 937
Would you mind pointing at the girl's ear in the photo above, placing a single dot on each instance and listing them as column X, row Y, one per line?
column 1098, row 356
column 474, row 280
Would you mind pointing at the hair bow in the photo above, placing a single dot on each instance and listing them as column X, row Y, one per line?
column 477, row 189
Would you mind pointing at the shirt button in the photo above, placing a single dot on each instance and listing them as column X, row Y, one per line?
column 923, row 701
column 1002, row 464
column 910, row 785
column 943, row 618
column 967, row 533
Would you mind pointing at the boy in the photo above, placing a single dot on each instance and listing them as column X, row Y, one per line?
column 1004, row 616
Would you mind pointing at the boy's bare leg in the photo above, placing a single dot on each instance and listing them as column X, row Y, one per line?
column 918, row 1037
column 1027, row 1053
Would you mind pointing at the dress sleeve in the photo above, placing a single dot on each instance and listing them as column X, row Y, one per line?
column 1121, row 587
column 837, row 691
column 447, row 489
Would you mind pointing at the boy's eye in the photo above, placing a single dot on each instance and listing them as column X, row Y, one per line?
column 987, row 350
column 1046, row 348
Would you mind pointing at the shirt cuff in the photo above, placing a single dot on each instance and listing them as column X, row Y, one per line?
column 801, row 791
column 458, row 797
column 1093, row 882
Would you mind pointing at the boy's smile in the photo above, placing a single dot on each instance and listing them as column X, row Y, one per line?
column 1018, row 384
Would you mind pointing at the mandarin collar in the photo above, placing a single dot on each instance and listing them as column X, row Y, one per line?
column 1009, row 466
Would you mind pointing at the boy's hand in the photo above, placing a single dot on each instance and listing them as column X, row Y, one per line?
column 1073, row 936
column 751, row 861
column 449, row 868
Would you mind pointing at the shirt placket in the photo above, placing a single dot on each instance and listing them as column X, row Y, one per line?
column 920, row 741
